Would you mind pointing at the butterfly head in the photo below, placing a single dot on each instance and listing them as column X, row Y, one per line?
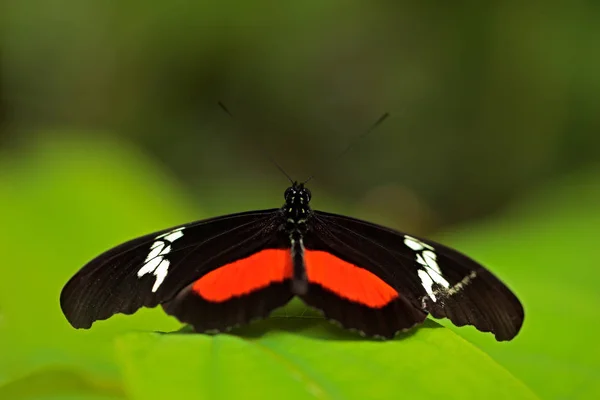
column 297, row 195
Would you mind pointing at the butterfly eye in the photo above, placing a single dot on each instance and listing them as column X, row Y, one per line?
column 288, row 192
column 308, row 194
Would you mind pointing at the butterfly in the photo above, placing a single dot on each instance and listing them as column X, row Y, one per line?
column 222, row 272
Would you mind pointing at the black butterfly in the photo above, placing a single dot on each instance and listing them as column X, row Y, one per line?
column 225, row 271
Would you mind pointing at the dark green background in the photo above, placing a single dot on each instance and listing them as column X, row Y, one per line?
column 109, row 128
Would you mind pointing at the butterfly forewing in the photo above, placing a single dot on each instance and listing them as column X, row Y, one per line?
column 432, row 277
column 153, row 269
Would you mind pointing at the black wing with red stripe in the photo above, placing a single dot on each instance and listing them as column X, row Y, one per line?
column 154, row 268
column 431, row 277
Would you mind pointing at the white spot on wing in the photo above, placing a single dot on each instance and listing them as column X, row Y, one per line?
column 161, row 273
column 156, row 249
column 149, row 267
column 431, row 260
column 415, row 243
column 412, row 243
column 427, row 283
column 166, row 251
column 438, row 278
column 431, row 272
column 155, row 262
column 173, row 235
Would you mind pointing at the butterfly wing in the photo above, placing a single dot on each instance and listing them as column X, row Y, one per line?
column 427, row 276
column 162, row 268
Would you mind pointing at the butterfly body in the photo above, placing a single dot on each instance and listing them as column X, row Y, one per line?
column 227, row 271
column 297, row 214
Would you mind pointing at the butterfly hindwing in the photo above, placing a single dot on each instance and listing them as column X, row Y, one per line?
column 209, row 316
column 395, row 316
column 154, row 268
column 431, row 277
column 353, row 296
column 236, row 293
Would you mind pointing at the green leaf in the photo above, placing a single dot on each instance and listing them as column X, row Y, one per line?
column 61, row 383
column 306, row 358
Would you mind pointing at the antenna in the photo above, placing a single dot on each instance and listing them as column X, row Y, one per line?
column 353, row 142
column 261, row 147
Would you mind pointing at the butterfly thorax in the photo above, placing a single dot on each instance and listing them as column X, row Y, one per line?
column 296, row 208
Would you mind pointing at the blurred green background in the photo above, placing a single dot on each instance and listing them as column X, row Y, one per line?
column 109, row 128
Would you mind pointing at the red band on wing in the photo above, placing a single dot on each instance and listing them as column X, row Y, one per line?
column 245, row 275
column 347, row 280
